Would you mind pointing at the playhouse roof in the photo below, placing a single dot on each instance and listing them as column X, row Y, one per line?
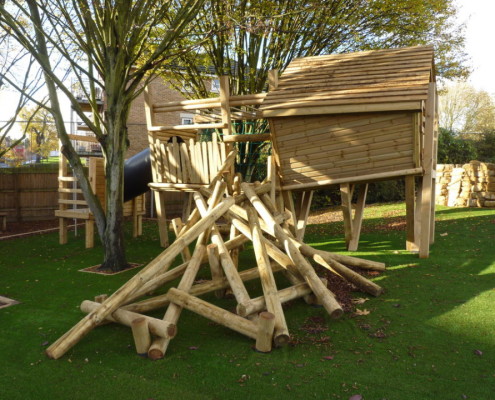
column 368, row 81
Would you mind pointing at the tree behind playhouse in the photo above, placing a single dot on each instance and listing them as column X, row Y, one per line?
column 250, row 38
column 100, row 43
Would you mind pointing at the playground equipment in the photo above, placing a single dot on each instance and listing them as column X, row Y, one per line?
column 72, row 205
column 401, row 102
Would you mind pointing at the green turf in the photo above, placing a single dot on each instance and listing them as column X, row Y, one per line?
column 430, row 336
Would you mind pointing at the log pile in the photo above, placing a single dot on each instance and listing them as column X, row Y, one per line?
column 473, row 185
column 448, row 184
column 256, row 213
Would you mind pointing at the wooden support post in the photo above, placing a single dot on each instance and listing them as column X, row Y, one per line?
column 161, row 217
column 358, row 218
column 160, row 263
column 273, row 304
column 135, row 218
column 346, row 197
column 266, row 325
column 141, row 335
column 427, row 178
column 90, row 233
column 62, row 230
column 410, row 213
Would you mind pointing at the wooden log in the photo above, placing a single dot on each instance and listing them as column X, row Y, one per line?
column 197, row 290
column 361, row 282
column 101, row 298
column 268, row 284
column 266, row 325
column 176, row 272
column 156, row 326
column 228, row 265
column 160, row 263
column 159, row 346
column 287, row 294
column 302, row 213
column 273, row 251
column 177, row 226
column 216, row 269
column 326, row 298
column 213, row 313
column 141, row 335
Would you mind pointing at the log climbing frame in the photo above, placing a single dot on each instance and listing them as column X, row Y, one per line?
column 272, row 215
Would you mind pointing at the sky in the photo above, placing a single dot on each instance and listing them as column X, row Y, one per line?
column 480, row 35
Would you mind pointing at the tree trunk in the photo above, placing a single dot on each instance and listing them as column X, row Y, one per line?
column 113, row 235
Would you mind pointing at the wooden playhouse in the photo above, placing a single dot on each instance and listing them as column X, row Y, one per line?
column 356, row 118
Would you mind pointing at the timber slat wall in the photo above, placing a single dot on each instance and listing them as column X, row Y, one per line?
column 330, row 147
column 28, row 196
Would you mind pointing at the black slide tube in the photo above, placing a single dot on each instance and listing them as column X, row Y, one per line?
column 137, row 174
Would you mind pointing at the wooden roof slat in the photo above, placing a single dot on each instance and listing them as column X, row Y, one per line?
column 344, row 108
column 369, row 78
column 371, row 54
column 346, row 95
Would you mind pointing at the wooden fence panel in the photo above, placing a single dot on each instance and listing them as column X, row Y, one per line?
column 28, row 196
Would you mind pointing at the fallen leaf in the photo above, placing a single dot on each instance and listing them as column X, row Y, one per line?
column 444, row 234
column 356, row 397
column 359, row 300
column 478, row 352
column 193, row 347
column 45, row 343
column 361, row 312
column 328, row 357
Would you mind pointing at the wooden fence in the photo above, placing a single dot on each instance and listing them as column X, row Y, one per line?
column 32, row 195
column 26, row 195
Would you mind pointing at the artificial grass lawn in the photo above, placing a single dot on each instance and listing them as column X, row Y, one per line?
column 430, row 336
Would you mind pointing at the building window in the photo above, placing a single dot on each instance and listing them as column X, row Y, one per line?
column 186, row 87
column 215, row 86
column 186, row 119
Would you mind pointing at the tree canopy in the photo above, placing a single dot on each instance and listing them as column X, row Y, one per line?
column 249, row 38
column 104, row 45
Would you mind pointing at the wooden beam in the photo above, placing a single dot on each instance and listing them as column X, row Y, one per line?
column 355, row 179
column 340, row 109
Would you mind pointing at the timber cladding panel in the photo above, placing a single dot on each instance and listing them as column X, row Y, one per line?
column 318, row 148
column 350, row 115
